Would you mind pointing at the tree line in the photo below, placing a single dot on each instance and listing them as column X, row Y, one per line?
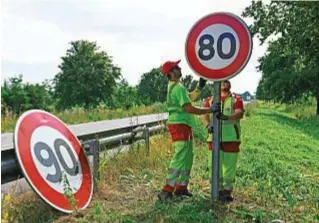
column 88, row 78
column 290, row 67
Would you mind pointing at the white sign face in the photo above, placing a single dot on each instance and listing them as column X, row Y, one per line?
column 54, row 157
column 217, row 46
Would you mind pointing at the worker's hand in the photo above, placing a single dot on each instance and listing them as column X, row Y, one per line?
column 210, row 128
column 201, row 83
column 221, row 116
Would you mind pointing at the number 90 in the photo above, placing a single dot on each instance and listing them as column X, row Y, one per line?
column 52, row 160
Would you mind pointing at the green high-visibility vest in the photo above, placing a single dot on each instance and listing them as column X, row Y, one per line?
column 230, row 130
column 170, row 106
column 177, row 114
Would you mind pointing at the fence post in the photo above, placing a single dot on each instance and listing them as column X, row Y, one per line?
column 147, row 140
column 96, row 160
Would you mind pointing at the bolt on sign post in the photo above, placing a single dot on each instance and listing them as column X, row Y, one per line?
column 218, row 47
column 53, row 161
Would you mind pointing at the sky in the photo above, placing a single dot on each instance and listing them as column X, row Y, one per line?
column 138, row 34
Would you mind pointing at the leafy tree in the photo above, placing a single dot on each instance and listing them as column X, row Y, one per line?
column 13, row 95
column 291, row 66
column 38, row 96
column 207, row 91
column 87, row 78
column 152, row 87
column 48, row 85
column 261, row 92
column 188, row 82
column 19, row 97
column 125, row 96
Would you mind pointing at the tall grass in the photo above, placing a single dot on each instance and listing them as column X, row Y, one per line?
column 302, row 109
column 80, row 115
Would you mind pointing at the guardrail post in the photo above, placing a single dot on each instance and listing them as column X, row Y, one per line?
column 96, row 159
column 92, row 148
column 147, row 140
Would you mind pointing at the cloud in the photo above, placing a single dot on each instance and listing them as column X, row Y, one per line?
column 27, row 40
column 138, row 34
column 35, row 72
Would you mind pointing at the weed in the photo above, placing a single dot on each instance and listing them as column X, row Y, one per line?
column 28, row 207
column 68, row 192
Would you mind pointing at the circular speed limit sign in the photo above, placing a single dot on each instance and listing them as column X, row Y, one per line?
column 50, row 156
column 218, row 46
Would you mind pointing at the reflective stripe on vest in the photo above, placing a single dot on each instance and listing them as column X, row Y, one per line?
column 230, row 129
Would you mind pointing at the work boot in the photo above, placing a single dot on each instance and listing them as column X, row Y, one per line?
column 225, row 196
column 165, row 195
column 179, row 193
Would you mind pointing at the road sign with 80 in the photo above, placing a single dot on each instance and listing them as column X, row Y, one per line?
column 218, row 46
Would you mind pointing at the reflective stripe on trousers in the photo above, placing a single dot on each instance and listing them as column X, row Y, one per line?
column 181, row 163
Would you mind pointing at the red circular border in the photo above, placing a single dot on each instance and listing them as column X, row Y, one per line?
column 24, row 132
column 244, row 51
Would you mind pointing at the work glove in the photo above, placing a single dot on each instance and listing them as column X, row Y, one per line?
column 216, row 107
column 210, row 128
column 221, row 116
column 201, row 83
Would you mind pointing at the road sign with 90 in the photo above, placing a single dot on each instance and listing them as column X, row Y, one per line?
column 48, row 153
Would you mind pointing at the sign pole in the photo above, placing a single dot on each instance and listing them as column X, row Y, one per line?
column 216, row 146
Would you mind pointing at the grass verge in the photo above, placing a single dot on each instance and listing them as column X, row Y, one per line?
column 277, row 179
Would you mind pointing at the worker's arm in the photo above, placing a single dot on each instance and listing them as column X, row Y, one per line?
column 206, row 119
column 238, row 114
column 238, row 111
column 194, row 110
column 194, row 95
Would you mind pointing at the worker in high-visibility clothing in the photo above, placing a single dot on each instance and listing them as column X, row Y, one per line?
column 180, row 122
column 231, row 111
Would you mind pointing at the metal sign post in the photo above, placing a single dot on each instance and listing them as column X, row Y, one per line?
column 216, row 146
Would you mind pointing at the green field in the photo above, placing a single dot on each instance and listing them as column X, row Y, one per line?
column 277, row 179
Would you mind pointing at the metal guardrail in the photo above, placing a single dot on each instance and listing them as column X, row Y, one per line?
column 93, row 137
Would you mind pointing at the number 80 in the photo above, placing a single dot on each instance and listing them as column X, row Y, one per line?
column 210, row 46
